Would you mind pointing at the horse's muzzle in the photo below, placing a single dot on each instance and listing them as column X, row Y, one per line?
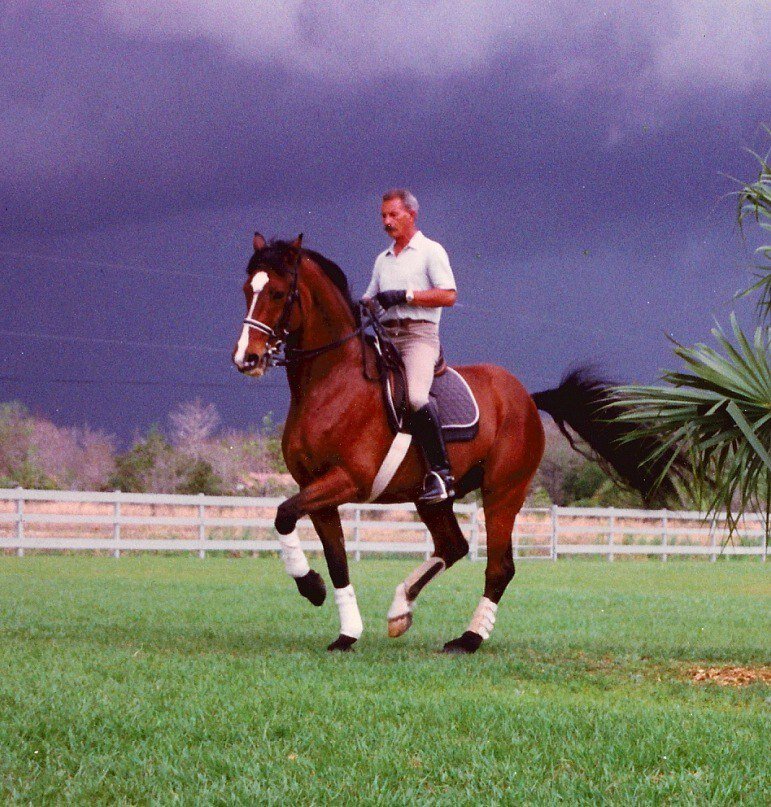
column 253, row 365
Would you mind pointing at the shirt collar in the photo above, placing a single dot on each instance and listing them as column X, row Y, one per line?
column 411, row 244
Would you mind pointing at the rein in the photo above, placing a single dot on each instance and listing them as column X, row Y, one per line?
column 384, row 347
column 293, row 355
column 387, row 353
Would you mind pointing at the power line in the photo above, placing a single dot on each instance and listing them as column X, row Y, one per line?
column 132, row 382
column 105, row 341
column 126, row 267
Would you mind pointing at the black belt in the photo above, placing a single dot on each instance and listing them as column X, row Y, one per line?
column 391, row 323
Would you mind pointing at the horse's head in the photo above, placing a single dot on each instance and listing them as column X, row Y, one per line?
column 272, row 310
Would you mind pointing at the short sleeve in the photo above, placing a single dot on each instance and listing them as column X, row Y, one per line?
column 439, row 271
column 374, row 284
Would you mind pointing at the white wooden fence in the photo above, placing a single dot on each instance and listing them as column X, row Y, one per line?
column 122, row 522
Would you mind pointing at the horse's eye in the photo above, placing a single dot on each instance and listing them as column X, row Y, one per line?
column 276, row 295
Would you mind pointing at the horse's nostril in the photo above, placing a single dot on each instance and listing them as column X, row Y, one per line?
column 251, row 358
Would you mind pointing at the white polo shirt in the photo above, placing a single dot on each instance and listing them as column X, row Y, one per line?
column 423, row 264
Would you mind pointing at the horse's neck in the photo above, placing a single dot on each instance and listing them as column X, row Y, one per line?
column 327, row 318
column 326, row 315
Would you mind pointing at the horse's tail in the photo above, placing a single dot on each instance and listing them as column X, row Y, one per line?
column 589, row 405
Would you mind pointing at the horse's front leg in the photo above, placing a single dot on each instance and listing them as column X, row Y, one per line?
column 331, row 489
column 330, row 530
column 319, row 499
column 309, row 582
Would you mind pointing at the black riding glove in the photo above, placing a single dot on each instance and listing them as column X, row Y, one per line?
column 388, row 299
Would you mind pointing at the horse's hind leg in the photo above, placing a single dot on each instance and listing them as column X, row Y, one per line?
column 449, row 546
column 500, row 509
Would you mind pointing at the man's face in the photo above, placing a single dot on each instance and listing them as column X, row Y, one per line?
column 398, row 222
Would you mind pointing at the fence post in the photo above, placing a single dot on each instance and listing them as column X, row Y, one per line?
column 611, row 534
column 116, row 528
column 201, row 531
column 474, row 533
column 20, row 524
column 713, row 541
column 357, row 533
column 664, row 524
column 554, row 529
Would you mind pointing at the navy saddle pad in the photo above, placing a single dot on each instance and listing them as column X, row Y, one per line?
column 458, row 409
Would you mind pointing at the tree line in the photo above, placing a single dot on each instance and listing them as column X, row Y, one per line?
column 193, row 453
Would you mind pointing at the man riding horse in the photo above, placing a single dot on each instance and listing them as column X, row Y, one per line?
column 412, row 280
column 338, row 438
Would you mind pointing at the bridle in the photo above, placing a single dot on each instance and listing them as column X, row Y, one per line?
column 278, row 335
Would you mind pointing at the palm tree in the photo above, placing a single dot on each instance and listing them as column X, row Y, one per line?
column 755, row 203
column 714, row 416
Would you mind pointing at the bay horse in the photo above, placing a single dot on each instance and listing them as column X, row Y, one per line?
column 337, row 438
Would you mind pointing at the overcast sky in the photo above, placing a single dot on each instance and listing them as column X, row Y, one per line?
column 573, row 158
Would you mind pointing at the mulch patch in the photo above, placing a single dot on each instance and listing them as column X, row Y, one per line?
column 731, row 676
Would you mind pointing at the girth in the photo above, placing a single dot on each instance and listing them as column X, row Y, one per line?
column 401, row 323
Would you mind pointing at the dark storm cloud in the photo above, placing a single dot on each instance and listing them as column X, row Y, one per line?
column 569, row 157
column 139, row 107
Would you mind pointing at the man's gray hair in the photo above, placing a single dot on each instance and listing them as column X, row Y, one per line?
column 407, row 198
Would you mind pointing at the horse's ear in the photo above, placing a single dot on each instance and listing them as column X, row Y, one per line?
column 258, row 242
column 298, row 242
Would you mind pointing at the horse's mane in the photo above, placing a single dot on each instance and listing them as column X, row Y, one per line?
column 276, row 254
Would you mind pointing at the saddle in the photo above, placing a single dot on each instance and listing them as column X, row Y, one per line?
column 457, row 406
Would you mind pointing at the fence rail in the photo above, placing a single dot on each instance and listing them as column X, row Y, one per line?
column 127, row 522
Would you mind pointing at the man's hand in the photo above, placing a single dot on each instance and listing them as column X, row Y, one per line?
column 388, row 299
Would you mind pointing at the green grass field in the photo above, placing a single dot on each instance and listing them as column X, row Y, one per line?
column 166, row 679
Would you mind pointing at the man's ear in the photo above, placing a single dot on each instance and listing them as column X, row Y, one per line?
column 258, row 242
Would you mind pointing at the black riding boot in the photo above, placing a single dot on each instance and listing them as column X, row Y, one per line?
column 438, row 484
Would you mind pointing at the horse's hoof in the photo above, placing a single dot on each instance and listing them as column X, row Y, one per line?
column 466, row 644
column 312, row 587
column 343, row 644
column 399, row 625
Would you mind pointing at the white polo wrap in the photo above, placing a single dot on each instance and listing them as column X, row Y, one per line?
column 350, row 618
column 484, row 618
column 295, row 562
column 401, row 605
column 427, row 566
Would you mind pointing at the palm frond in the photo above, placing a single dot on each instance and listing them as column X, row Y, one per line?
column 755, row 203
column 717, row 414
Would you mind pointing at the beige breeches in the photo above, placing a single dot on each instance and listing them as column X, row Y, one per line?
column 418, row 344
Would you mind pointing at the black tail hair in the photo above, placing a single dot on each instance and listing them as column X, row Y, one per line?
column 589, row 405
